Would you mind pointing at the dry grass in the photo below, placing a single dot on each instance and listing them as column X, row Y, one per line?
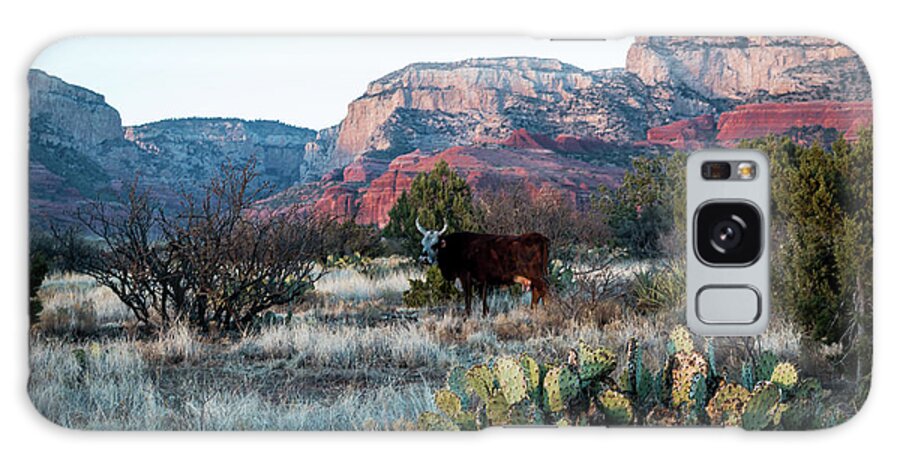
column 174, row 345
column 383, row 278
column 111, row 388
column 351, row 358
column 321, row 346
column 74, row 304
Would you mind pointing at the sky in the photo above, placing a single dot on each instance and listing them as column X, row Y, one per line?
column 303, row 81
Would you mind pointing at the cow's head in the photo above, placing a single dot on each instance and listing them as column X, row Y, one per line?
column 431, row 239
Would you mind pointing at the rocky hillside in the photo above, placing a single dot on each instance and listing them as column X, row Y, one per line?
column 432, row 106
column 197, row 146
column 547, row 123
column 368, row 187
column 79, row 151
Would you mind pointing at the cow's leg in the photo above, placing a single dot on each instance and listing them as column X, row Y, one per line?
column 484, row 305
column 467, row 290
column 538, row 291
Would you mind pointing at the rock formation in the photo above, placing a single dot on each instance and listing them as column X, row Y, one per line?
column 198, row 146
column 749, row 69
column 758, row 120
column 368, row 188
column 539, row 121
column 431, row 106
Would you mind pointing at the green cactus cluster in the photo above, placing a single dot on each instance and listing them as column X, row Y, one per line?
column 687, row 389
column 519, row 390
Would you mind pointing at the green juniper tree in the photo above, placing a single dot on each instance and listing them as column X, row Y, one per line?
column 434, row 197
column 645, row 207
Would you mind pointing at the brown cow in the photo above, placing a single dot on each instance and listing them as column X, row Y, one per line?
column 487, row 259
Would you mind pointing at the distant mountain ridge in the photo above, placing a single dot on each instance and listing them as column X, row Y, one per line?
column 674, row 93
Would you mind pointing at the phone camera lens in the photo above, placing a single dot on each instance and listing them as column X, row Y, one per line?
column 728, row 233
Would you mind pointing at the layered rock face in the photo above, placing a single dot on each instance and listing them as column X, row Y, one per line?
column 747, row 69
column 484, row 169
column 539, row 121
column 69, row 127
column 432, row 106
column 70, row 115
column 79, row 151
column 759, row 120
column 687, row 134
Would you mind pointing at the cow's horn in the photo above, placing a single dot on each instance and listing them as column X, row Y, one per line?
column 444, row 229
column 422, row 230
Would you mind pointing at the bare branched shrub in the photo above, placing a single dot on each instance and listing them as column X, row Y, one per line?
column 513, row 209
column 210, row 262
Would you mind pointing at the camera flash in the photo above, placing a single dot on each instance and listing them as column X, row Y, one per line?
column 746, row 170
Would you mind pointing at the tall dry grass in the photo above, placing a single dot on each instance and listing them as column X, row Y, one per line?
column 352, row 358
column 73, row 304
column 347, row 347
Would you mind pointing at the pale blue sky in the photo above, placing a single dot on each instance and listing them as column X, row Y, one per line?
column 302, row 81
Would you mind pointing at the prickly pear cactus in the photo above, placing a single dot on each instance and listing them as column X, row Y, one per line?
column 638, row 379
column 699, row 396
column 747, row 376
column 681, row 339
column 561, row 385
column 760, row 408
column 727, row 404
column 480, row 380
column 430, row 421
column 686, row 366
column 765, row 364
column 616, row 407
column 532, row 373
column 497, row 409
column 595, row 363
column 685, row 390
column 511, row 377
column 801, row 415
column 456, row 382
column 784, row 375
column 448, row 403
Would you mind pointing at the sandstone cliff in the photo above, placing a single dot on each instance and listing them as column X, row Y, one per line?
column 367, row 189
column 431, row 106
column 751, row 69
column 758, row 120
column 70, row 115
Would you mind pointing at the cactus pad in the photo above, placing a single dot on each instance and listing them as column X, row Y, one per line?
column 784, row 375
column 595, row 363
column 456, row 382
column 448, row 403
column 765, row 364
column 616, row 407
column 532, row 373
column 747, row 376
column 726, row 405
column 681, row 339
column 480, row 380
column 497, row 410
column 430, row 421
column 561, row 385
column 686, row 366
column 511, row 377
column 760, row 408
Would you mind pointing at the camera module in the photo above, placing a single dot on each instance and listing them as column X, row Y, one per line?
column 728, row 233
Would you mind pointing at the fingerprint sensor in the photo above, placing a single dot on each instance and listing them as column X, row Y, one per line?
column 723, row 304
